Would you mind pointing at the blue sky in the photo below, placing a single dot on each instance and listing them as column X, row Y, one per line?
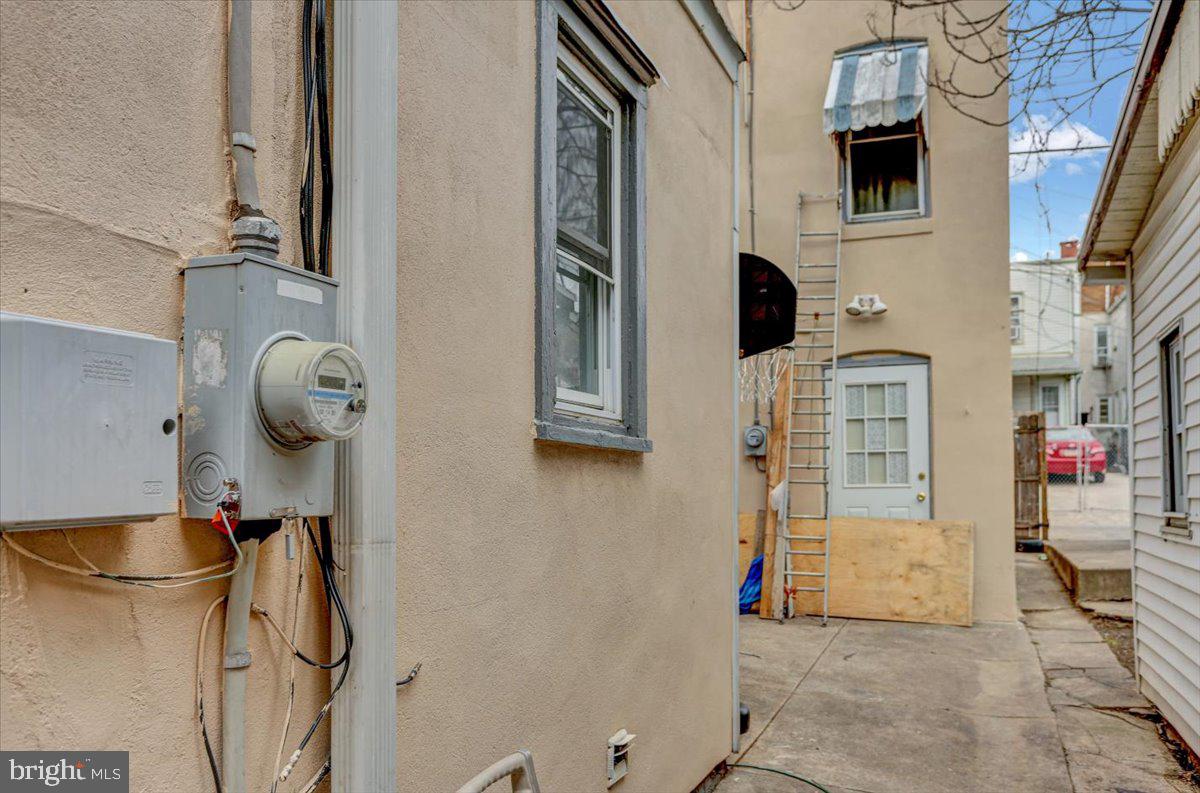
column 1067, row 181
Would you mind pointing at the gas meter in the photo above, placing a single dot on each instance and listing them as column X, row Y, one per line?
column 266, row 389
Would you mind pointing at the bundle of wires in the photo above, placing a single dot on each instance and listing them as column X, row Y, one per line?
column 322, row 546
column 316, row 250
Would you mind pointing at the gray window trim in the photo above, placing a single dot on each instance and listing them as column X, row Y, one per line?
column 558, row 22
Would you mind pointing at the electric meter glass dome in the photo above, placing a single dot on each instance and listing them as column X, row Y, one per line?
column 309, row 391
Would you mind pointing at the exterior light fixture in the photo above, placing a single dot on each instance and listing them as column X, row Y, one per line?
column 870, row 305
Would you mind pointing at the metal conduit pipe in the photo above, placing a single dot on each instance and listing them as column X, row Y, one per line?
column 252, row 230
column 237, row 667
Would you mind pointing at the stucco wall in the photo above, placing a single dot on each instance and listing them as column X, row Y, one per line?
column 555, row 595
column 944, row 278
column 113, row 174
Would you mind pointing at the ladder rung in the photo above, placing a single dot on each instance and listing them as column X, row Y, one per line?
column 808, row 589
column 818, row 234
column 809, row 397
column 805, row 573
column 808, row 466
column 808, row 482
column 808, row 265
column 817, row 297
column 810, row 413
column 805, row 537
column 815, row 314
column 813, row 330
column 811, row 347
column 817, row 281
column 805, row 553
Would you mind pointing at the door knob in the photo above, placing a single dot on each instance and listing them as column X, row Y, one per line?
column 921, row 496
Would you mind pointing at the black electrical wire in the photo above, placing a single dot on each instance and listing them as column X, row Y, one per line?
column 781, row 772
column 212, row 758
column 316, row 249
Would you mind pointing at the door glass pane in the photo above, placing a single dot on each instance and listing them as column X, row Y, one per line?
column 577, row 327
column 876, row 468
column 876, row 434
column 856, row 469
column 854, row 401
column 855, row 435
column 897, row 399
column 583, row 146
column 897, row 434
column 897, row 464
column 875, row 400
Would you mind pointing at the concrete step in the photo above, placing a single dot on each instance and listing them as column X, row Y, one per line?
column 1093, row 569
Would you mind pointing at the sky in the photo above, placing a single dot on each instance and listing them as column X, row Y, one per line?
column 1067, row 181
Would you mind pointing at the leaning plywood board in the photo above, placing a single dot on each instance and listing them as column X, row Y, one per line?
column 900, row 570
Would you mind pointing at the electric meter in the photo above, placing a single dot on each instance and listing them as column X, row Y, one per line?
column 310, row 391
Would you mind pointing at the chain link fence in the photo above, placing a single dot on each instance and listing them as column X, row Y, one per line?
column 1088, row 475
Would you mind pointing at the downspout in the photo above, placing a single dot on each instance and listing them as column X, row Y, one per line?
column 365, row 192
column 750, row 122
column 736, row 446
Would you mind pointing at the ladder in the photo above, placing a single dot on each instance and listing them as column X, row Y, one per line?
column 811, row 414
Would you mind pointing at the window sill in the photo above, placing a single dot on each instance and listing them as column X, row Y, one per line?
column 879, row 229
column 581, row 433
column 1175, row 527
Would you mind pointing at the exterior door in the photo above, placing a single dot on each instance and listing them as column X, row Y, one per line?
column 1050, row 405
column 881, row 442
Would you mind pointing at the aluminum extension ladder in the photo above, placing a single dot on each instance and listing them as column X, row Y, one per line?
column 814, row 374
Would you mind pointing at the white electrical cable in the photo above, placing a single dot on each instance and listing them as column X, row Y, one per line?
column 287, row 719
column 135, row 579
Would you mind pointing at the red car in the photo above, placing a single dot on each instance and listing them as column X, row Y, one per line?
column 1065, row 446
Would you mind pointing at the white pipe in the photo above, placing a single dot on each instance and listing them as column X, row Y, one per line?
column 237, row 667
column 736, row 446
column 365, row 111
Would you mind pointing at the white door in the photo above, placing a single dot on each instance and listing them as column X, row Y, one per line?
column 881, row 442
column 1050, row 405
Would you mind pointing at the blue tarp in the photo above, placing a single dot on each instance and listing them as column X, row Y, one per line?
column 752, row 587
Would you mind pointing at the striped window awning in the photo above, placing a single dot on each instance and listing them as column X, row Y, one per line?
column 876, row 87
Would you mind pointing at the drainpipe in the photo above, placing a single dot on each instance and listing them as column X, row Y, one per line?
column 365, row 121
column 736, row 447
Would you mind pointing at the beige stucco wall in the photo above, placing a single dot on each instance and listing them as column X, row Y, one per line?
column 554, row 595
column 944, row 278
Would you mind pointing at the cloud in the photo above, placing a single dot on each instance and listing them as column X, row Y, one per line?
column 1041, row 133
column 1018, row 256
column 1072, row 169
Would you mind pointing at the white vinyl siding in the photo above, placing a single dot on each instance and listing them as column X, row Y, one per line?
column 1166, row 294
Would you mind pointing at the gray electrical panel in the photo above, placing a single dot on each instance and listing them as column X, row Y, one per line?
column 235, row 307
column 88, row 432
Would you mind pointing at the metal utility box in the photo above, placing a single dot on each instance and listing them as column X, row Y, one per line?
column 88, row 431
column 235, row 307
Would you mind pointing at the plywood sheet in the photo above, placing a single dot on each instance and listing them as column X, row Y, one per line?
column 899, row 570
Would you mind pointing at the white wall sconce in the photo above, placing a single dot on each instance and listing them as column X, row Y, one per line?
column 866, row 305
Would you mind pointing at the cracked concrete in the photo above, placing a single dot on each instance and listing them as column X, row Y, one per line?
column 885, row 707
column 1107, row 729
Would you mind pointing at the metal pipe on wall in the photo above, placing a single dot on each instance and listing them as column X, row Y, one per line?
column 237, row 668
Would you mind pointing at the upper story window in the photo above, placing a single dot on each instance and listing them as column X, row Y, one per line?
column 590, row 230
column 1102, row 354
column 875, row 107
column 1014, row 318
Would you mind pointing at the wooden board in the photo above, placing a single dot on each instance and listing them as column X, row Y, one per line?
column 898, row 570
column 771, row 605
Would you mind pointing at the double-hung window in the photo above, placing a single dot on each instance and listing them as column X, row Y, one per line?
column 592, row 83
column 587, row 288
column 1102, row 356
column 1172, row 410
column 1014, row 318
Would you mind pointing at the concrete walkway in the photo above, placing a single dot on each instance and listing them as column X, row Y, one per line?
column 882, row 707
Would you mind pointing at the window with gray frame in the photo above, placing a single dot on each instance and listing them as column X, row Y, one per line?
column 590, row 257
column 1171, row 408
